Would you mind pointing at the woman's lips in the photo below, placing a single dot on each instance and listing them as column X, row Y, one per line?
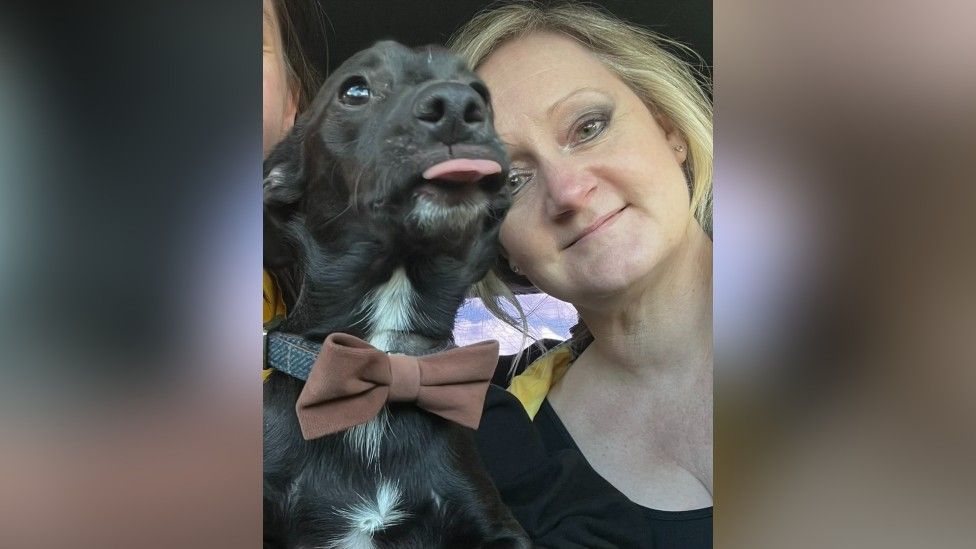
column 600, row 223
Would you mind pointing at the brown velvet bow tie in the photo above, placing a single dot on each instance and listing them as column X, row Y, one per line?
column 351, row 381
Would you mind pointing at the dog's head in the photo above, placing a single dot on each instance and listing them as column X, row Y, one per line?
column 398, row 143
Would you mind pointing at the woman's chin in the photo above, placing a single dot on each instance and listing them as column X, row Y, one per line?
column 598, row 283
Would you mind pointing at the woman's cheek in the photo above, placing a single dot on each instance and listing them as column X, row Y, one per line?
column 517, row 240
column 273, row 115
column 280, row 100
column 512, row 245
column 503, row 237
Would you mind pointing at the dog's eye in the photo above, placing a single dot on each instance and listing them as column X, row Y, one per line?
column 354, row 91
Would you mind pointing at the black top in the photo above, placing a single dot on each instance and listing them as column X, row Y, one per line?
column 557, row 496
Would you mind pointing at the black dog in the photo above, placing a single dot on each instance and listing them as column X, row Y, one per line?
column 382, row 208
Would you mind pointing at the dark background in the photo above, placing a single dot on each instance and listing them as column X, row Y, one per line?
column 354, row 25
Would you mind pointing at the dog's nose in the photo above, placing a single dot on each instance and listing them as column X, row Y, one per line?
column 451, row 110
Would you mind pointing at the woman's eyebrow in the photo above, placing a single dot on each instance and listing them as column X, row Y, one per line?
column 512, row 148
column 552, row 108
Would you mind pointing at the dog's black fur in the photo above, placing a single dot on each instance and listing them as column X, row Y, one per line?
column 342, row 194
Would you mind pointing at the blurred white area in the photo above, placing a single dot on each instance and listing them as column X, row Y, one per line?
column 224, row 331
column 547, row 318
column 768, row 252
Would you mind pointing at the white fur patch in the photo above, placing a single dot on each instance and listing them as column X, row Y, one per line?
column 389, row 308
column 431, row 216
column 369, row 516
column 366, row 437
column 275, row 177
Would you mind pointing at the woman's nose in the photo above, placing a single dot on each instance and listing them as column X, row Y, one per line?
column 568, row 189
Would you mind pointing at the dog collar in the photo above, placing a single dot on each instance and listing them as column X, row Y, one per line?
column 289, row 353
column 293, row 354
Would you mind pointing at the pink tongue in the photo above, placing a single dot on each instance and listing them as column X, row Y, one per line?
column 465, row 170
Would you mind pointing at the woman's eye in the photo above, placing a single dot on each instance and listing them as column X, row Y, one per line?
column 517, row 179
column 589, row 129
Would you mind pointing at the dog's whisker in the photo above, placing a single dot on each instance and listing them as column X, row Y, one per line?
column 354, row 199
column 332, row 174
column 358, row 182
column 336, row 216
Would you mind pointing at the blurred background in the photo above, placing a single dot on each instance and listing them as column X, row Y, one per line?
column 130, row 243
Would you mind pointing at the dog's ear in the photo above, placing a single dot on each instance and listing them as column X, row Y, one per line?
column 284, row 186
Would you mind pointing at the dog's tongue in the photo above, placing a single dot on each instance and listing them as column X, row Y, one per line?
column 465, row 170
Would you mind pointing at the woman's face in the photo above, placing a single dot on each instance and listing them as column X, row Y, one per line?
column 280, row 100
column 603, row 199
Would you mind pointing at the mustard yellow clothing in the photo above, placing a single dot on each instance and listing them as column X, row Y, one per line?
column 273, row 306
column 532, row 385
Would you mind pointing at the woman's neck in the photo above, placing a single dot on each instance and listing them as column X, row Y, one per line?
column 666, row 322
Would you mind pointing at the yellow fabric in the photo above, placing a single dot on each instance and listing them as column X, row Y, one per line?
column 273, row 306
column 532, row 385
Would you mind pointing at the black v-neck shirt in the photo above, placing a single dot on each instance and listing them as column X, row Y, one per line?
column 560, row 500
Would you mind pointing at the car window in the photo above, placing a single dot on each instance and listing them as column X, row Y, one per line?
column 547, row 318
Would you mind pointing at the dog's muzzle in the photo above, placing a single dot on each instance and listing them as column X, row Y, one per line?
column 452, row 112
column 453, row 191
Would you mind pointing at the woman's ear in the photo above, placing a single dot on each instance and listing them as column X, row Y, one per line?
column 679, row 146
column 676, row 140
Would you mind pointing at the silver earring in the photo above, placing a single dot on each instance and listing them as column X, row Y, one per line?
column 679, row 148
column 514, row 268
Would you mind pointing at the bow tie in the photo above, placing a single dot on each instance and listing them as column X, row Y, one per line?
column 351, row 381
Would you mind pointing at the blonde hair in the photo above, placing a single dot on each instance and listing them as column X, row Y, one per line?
column 642, row 59
column 639, row 57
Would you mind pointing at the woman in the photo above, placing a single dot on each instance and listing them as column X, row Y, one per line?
column 290, row 29
column 610, row 139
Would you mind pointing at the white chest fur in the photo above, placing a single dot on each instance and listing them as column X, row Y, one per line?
column 389, row 309
column 370, row 515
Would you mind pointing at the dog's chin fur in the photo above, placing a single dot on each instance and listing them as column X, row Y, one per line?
column 370, row 257
column 431, row 218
